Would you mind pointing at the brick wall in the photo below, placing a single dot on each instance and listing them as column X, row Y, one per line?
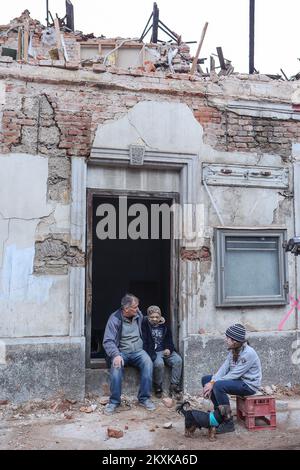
column 230, row 132
column 76, row 109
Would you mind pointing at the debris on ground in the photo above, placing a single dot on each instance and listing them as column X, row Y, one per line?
column 279, row 390
column 68, row 415
column 268, row 390
column 61, row 406
column 114, row 432
column 168, row 402
column 168, row 425
column 104, row 400
column 34, row 425
column 88, row 409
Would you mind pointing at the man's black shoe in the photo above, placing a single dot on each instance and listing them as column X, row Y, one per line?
column 175, row 392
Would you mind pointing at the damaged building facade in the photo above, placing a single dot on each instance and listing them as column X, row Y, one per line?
column 109, row 120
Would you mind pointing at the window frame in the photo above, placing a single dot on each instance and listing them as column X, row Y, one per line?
column 239, row 301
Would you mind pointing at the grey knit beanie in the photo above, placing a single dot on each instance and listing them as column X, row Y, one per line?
column 236, row 332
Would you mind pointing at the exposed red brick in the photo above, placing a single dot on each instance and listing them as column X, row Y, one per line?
column 114, row 432
column 194, row 255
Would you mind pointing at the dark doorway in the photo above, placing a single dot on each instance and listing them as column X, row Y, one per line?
column 139, row 266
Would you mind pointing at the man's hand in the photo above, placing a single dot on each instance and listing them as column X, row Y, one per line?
column 167, row 352
column 118, row 362
column 207, row 389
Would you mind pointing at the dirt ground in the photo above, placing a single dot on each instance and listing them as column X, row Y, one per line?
column 65, row 424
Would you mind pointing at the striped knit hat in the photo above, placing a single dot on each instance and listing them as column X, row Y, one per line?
column 236, row 332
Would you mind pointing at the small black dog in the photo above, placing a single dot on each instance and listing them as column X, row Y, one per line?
column 200, row 419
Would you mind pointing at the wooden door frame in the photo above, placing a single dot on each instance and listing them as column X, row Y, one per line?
column 174, row 263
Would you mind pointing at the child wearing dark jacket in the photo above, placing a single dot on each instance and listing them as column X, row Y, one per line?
column 158, row 343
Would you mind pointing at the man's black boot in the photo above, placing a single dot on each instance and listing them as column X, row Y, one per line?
column 158, row 391
column 175, row 391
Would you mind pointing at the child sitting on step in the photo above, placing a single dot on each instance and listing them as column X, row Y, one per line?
column 158, row 343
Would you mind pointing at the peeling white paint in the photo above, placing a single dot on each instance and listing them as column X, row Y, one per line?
column 244, row 206
column 160, row 126
column 17, row 284
column 23, row 187
column 31, row 305
column 121, row 132
column 4, row 232
column 62, row 218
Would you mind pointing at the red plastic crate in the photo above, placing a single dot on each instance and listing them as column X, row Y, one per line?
column 250, row 409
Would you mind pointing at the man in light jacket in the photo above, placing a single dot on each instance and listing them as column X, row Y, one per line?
column 239, row 375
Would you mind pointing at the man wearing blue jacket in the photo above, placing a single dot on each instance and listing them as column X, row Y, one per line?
column 123, row 345
column 240, row 374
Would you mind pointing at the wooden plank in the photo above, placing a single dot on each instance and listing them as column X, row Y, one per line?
column 221, row 58
column 47, row 12
column 70, row 15
column 64, row 48
column 19, row 53
column 251, row 35
column 26, row 40
column 284, row 74
column 194, row 65
column 58, row 39
column 154, row 37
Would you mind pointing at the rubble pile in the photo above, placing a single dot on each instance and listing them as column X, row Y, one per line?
column 26, row 40
column 173, row 58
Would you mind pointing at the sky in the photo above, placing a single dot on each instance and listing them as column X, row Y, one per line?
column 277, row 32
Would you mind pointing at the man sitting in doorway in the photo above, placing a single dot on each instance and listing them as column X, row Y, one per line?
column 159, row 345
column 123, row 345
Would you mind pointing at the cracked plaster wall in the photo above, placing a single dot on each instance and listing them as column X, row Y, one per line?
column 56, row 118
column 30, row 305
column 172, row 127
column 159, row 126
column 166, row 126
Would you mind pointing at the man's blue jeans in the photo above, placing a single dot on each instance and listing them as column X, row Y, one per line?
column 143, row 362
column 222, row 387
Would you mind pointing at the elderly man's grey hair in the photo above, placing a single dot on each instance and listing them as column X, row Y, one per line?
column 128, row 300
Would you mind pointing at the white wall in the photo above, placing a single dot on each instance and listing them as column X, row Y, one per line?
column 30, row 305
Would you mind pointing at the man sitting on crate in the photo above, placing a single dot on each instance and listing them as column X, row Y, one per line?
column 239, row 375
